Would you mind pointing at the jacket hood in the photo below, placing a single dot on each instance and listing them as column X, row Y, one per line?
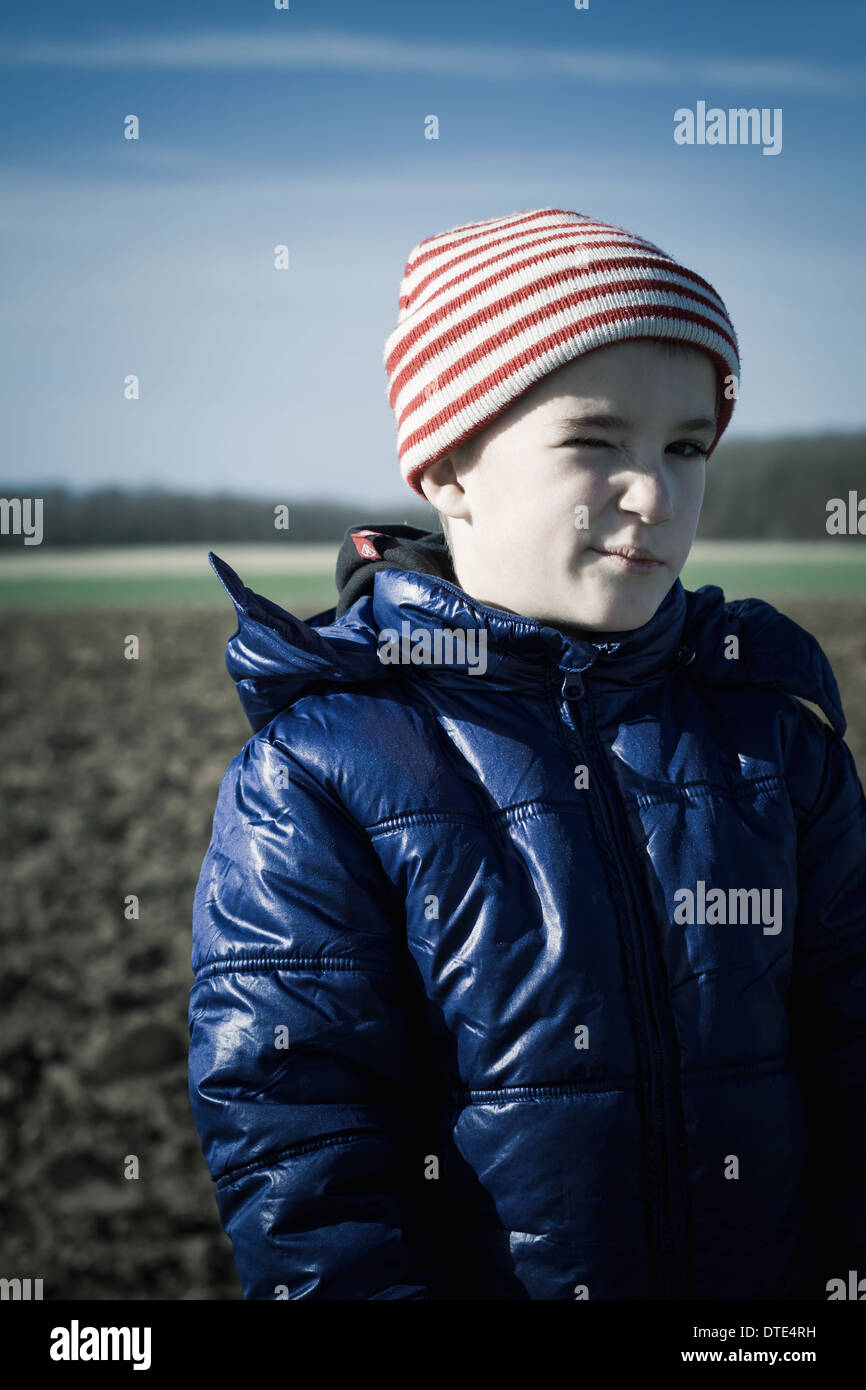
column 396, row 583
column 392, row 546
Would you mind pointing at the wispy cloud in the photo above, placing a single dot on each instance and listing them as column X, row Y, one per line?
column 219, row 50
column 242, row 183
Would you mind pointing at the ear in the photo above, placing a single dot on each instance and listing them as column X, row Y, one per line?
column 440, row 484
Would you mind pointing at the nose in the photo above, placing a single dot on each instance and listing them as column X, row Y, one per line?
column 646, row 491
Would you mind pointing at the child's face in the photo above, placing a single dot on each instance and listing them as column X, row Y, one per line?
column 513, row 507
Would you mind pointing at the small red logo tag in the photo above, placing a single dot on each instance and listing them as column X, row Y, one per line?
column 365, row 548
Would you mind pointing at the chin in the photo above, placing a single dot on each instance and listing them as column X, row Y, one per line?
column 623, row 615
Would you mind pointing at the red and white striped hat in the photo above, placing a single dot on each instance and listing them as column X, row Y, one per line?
column 488, row 309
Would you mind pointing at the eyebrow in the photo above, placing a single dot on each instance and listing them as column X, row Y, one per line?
column 618, row 422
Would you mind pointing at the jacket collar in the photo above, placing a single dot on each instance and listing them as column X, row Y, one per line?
column 275, row 658
column 519, row 650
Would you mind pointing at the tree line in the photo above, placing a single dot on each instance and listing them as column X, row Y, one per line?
column 772, row 489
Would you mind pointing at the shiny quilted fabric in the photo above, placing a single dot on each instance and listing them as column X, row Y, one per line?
column 450, row 1034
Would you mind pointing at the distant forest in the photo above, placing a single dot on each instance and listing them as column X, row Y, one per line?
column 774, row 489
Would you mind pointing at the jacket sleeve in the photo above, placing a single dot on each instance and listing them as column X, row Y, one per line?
column 828, row 1012
column 299, row 1065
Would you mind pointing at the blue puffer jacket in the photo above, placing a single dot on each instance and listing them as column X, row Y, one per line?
column 541, row 981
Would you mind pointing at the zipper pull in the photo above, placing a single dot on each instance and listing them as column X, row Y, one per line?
column 572, row 685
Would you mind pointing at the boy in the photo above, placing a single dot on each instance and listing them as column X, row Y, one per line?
column 530, row 944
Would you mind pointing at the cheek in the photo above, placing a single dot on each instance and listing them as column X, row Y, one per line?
column 589, row 488
column 696, row 498
column 687, row 487
column 697, row 482
column 689, row 513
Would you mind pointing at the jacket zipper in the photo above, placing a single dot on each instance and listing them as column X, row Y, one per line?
column 671, row 1269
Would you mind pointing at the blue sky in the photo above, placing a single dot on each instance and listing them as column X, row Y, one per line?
column 306, row 127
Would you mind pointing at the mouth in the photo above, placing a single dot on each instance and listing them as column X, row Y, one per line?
column 631, row 558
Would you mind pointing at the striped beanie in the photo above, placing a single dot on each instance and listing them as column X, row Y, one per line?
column 489, row 308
